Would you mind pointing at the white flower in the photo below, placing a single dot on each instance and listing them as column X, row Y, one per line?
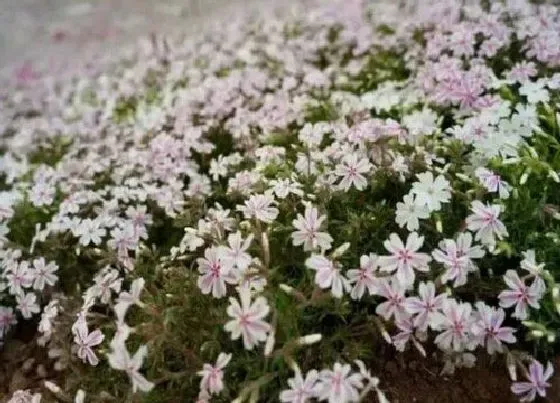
column 247, row 319
column 191, row 241
column 283, row 187
column 213, row 375
column 351, row 169
column 431, row 192
column 301, row 389
column 327, row 275
column 308, row 231
column 90, row 231
column 120, row 359
column 422, row 122
column 260, row 207
column 43, row 273
column 19, row 277
column 126, row 300
column 339, row 385
column 27, row 304
column 404, row 258
column 236, row 254
column 534, row 91
column 409, row 212
column 485, row 222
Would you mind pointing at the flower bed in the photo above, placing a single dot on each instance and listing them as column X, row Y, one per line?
column 255, row 214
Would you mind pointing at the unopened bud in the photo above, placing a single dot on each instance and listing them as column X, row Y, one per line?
column 269, row 346
column 551, row 337
column 554, row 176
column 287, row 289
column 524, row 177
column 340, row 250
column 537, row 333
column 310, row 339
column 52, row 387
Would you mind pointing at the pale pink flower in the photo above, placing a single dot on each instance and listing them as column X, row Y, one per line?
column 7, row 319
column 27, row 304
column 404, row 258
column 327, row 275
column 489, row 328
column 247, row 319
column 455, row 324
column 236, row 253
column 393, row 291
column 308, row 232
column 351, row 169
column 425, row 305
column 301, row 389
column 538, row 382
column 364, row 278
column 214, row 271
column 43, row 273
column 520, row 295
column 485, row 222
column 19, row 277
column 120, row 359
column 260, row 207
column 213, row 375
column 339, row 385
column 85, row 341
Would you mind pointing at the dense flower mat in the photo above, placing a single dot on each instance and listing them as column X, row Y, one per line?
column 245, row 216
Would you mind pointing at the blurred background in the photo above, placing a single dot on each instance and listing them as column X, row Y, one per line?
column 56, row 30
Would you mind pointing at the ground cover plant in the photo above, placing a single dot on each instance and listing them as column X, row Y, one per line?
column 250, row 214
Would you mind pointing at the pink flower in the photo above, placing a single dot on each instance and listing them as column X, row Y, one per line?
column 351, row 170
column 43, row 273
column 489, row 327
column 214, row 271
column 301, row 389
column 537, row 384
column 236, row 254
column 404, row 258
column 456, row 324
column 213, row 376
column 425, row 305
column 485, row 222
column 520, row 295
column 393, row 291
column 339, row 385
column 308, row 232
column 456, row 257
column 364, row 277
column 327, row 275
column 86, row 341
column 260, row 207
column 247, row 319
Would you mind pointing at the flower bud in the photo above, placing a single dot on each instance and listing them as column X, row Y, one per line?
column 338, row 252
column 287, row 289
column 310, row 339
column 269, row 345
column 52, row 387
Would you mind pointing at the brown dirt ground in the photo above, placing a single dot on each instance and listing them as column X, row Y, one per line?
column 415, row 380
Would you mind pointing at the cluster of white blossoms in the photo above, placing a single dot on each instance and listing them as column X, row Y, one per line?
column 351, row 158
